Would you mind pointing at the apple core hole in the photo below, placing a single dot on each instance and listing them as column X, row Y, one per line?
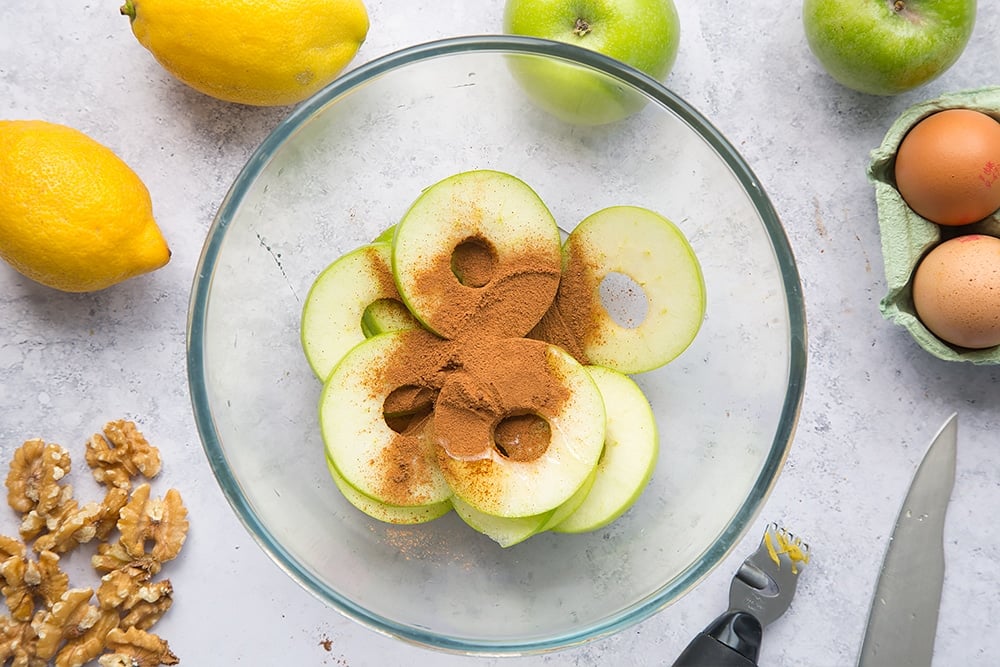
column 474, row 261
column 522, row 437
column 624, row 300
column 406, row 408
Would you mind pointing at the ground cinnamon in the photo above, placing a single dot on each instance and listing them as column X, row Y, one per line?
column 381, row 271
column 571, row 316
column 501, row 382
column 519, row 289
column 474, row 262
column 481, row 393
column 414, row 374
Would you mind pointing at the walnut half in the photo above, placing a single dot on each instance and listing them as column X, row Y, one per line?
column 160, row 521
column 33, row 479
column 136, row 648
column 17, row 644
column 140, row 602
column 120, row 454
column 26, row 580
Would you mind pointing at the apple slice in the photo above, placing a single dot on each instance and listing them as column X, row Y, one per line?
column 520, row 426
column 569, row 507
column 383, row 512
column 505, row 531
column 642, row 246
column 386, row 235
column 332, row 314
column 477, row 252
column 393, row 461
column 510, row 531
column 384, row 315
column 631, row 447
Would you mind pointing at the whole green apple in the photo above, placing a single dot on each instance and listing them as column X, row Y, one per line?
column 886, row 47
column 642, row 33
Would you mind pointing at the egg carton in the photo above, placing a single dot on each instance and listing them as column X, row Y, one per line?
column 906, row 237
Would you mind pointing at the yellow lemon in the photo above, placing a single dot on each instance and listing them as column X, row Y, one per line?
column 73, row 215
column 259, row 52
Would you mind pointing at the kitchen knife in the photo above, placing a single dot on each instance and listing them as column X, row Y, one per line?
column 904, row 612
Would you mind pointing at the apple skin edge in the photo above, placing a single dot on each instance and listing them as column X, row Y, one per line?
column 887, row 47
column 644, row 34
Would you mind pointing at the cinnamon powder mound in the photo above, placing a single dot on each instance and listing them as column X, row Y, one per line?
column 575, row 307
column 478, row 391
column 510, row 303
column 409, row 461
column 499, row 379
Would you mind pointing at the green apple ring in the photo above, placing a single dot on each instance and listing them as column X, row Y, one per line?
column 505, row 531
column 651, row 251
column 508, row 531
column 336, row 304
column 477, row 252
column 384, row 315
column 631, row 448
column 505, row 381
column 384, row 512
column 396, row 467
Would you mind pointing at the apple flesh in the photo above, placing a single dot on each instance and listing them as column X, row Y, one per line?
column 508, row 531
column 382, row 511
column 484, row 220
column 421, row 414
column 887, row 47
column 392, row 466
column 649, row 250
column 505, row 531
column 631, row 448
column 335, row 306
column 497, row 480
column 384, row 315
column 644, row 34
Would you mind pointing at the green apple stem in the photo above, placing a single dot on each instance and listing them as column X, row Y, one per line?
column 582, row 27
column 898, row 6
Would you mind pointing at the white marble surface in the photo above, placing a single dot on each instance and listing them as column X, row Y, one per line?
column 873, row 398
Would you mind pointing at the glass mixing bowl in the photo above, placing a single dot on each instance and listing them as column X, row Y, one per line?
column 344, row 166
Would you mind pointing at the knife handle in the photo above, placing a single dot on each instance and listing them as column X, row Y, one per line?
column 731, row 640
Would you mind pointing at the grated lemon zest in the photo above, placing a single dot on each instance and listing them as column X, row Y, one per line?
column 793, row 548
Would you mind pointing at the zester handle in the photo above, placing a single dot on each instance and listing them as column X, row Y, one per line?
column 731, row 640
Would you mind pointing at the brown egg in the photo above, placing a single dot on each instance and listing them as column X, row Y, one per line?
column 956, row 291
column 948, row 167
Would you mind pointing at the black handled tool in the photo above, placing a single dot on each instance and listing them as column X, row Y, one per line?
column 761, row 592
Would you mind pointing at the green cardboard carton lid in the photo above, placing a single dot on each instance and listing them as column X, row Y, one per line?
column 906, row 237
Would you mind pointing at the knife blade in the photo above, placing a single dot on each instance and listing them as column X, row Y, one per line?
column 904, row 610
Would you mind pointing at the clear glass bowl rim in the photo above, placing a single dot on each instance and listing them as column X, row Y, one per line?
column 656, row 92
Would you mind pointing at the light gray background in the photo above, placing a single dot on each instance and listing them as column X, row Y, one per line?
column 68, row 363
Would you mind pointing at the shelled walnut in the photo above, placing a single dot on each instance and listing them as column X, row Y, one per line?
column 72, row 526
column 18, row 644
column 73, row 631
column 136, row 648
column 163, row 522
column 33, row 479
column 140, row 602
column 52, row 623
column 26, row 581
column 121, row 454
